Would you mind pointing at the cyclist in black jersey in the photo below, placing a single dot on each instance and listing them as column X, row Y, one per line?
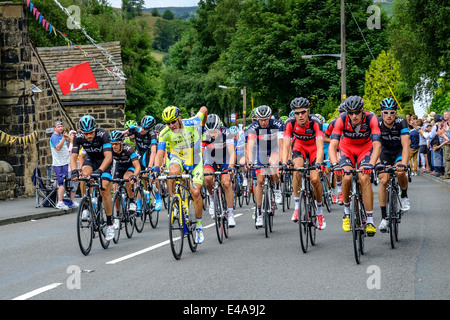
column 97, row 163
column 395, row 145
column 126, row 165
column 146, row 147
column 266, row 135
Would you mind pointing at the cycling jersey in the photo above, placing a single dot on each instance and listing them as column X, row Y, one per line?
column 94, row 150
column 144, row 142
column 391, row 146
column 266, row 138
column 215, row 150
column 239, row 146
column 124, row 160
column 366, row 132
column 184, row 146
column 391, row 138
column 356, row 142
column 304, row 137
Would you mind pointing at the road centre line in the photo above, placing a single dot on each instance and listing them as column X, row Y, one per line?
column 37, row 291
column 156, row 246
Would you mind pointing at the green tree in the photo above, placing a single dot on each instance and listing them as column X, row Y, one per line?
column 168, row 15
column 381, row 73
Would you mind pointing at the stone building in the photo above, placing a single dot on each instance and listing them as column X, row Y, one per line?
column 23, row 111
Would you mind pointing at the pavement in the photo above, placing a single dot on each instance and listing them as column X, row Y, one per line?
column 24, row 209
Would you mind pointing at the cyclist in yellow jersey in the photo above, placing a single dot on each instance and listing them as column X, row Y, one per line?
column 182, row 140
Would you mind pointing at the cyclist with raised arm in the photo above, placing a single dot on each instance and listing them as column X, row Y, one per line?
column 395, row 145
column 266, row 135
column 146, row 145
column 182, row 140
column 304, row 137
column 219, row 155
column 358, row 135
column 97, row 163
column 127, row 165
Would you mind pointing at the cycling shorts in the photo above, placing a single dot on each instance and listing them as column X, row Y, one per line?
column 120, row 171
column 217, row 167
column 348, row 154
column 265, row 161
column 95, row 164
column 390, row 157
column 196, row 169
column 306, row 152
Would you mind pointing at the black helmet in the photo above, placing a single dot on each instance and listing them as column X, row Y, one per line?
column 388, row 104
column 353, row 103
column 212, row 122
column 148, row 122
column 342, row 108
column 87, row 123
column 159, row 127
column 299, row 103
column 116, row 136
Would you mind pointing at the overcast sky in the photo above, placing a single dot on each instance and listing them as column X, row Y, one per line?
column 159, row 3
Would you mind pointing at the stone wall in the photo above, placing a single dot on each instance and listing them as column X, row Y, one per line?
column 22, row 111
column 17, row 109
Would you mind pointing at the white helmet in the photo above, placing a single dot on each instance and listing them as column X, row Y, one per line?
column 263, row 112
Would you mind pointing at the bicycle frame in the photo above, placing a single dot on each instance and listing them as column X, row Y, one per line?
column 221, row 217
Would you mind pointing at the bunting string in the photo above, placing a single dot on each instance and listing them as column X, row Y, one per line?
column 114, row 71
column 9, row 139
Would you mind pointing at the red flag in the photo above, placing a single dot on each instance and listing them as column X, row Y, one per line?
column 76, row 78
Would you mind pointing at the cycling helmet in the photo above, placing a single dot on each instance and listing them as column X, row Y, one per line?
column 87, row 124
column 234, row 130
column 159, row 127
column 263, row 112
column 353, row 103
column 388, row 104
column 116, row 136
column 320, row 117
column 212, row 122
column 130, row 123
column 148, row 122
column 342, row 108
column 252, row 114
column 299, row 103
column 170, row 114
column 291, row 114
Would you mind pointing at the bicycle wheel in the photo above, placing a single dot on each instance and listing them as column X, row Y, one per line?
column 271, row 208
column 85, row 227
column 117, row 215
column 141, row 213
column 393, row 218
column 312, row 225
column 225, row 216
column 326, row 193
column 176, row 233
column 265, row 210
column 130, row 220
column 218, row 213
column 303, row 222
column 355, row 219
column 101, row 224
column 153, row 214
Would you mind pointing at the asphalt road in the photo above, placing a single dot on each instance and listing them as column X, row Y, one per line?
column 41, row 260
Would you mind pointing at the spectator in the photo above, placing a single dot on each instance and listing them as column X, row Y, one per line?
column 446, row 150
column 414, row 147
column 424, row 131
column 437, row 144
column 73, row 184
column 60, row 155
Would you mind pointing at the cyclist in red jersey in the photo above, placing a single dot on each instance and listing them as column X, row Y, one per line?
column 358, row 135
column 304, row 134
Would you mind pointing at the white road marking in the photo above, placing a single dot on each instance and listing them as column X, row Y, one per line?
column 37, row 291
column 156, row 246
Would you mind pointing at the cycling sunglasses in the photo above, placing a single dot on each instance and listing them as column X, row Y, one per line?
column 350, row 113
column 297, row 113
column 386, row 112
